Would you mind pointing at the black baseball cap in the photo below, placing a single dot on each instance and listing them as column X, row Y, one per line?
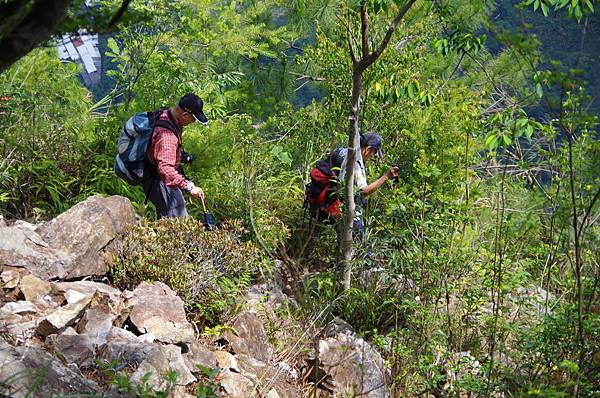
column 373, row 140
column 193, row 104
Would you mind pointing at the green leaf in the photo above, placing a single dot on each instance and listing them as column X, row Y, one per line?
column 569, row 366
column 112, row 45
column 282, row 156
column 411, row 90
column 539, row 90
column 507, row 140
column 578, row 13
column 377, row 6
column 529, row 131
column 491, row 141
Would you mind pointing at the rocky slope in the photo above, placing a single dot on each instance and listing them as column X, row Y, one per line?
column 58, row 324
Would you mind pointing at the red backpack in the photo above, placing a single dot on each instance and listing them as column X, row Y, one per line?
column 322, row 196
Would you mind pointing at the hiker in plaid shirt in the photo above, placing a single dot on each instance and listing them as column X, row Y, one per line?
column 164, row 183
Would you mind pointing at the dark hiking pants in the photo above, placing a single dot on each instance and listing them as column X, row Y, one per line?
column 169, row 201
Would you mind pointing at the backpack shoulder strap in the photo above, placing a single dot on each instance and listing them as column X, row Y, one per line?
column 168, row 123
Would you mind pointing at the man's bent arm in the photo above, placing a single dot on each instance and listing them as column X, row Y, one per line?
column 165, row 153
column 375, row 185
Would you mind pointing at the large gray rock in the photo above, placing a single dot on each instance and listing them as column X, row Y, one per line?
column 249, row 338
column 19, row 329
column 125, row 348
column 253, row 361
column 65, row 316
column 40, row 292
column 88, row 288
column 267, row 377
column 21, row 247
column 198, row 354
column 97, row 321
column 31, row 372
column 19, row 307
column 235, row 384
column 33, row 288
column 162, row 359
column 104, row 309
column 353, row 366
column 86, row 230
column 156, row 309
column 10, row 278
column 73, row 348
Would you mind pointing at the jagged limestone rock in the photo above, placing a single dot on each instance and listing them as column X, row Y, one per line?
column 73, row 348
column 23, row 248
column 266, row 376
column 17, row 328
column 156, row 309
column 31, row 372
column 198, row 354
column 125, row 348
column 99, row 318
column 161, row 359
column 20, row 307
column 249, row 337
column 236, row 384
column 86, row 230
column 88, row 288
column 33, row 288
column 353, row 366
column 10, row 279
column 63, row 317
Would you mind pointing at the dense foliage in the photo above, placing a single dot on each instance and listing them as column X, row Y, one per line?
column 208, row 270
column 480, row 274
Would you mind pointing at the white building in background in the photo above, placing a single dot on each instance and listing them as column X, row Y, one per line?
column 83, row 50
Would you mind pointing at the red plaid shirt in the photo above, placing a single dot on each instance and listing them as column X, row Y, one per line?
column 164, row 151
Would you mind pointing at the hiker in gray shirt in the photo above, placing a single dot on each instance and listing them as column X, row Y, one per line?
column 370, row 145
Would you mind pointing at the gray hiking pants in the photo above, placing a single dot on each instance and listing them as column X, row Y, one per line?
column 169, row 201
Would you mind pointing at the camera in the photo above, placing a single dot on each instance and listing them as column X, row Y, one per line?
column 186, row 157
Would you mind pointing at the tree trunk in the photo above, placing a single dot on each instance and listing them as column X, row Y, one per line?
column 578, row 269
column 29, row 29
column 359, row 65
column 353, row 147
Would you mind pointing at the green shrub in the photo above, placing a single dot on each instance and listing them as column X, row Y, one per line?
column 208, row 270
column 374, row 302
column 46, row 130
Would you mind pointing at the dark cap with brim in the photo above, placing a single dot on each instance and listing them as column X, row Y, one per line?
column 193, row 104
column 373, row 140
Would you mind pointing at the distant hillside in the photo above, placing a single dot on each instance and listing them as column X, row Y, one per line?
column 575, row 45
